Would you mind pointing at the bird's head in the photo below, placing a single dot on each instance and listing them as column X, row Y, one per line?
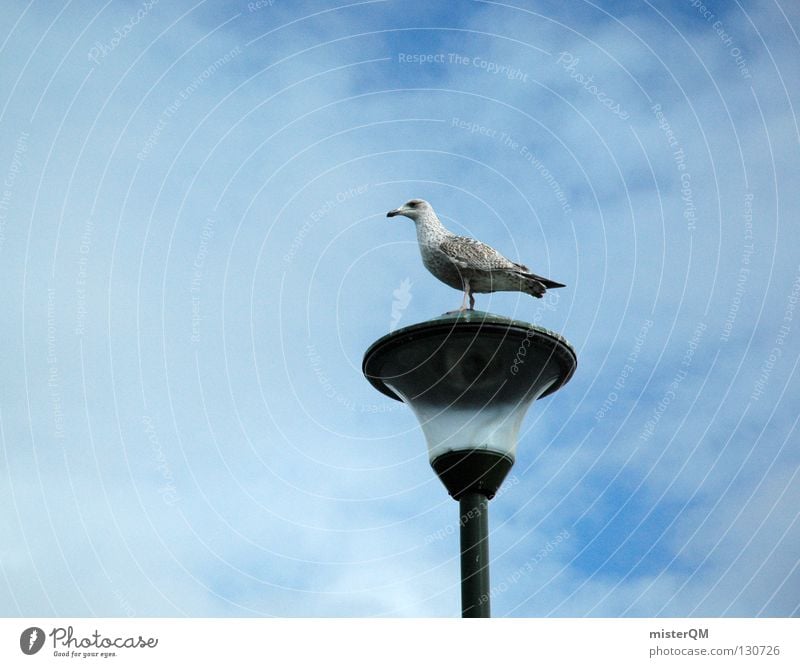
column 413, row 208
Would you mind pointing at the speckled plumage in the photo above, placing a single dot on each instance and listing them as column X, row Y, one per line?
column 464, row 263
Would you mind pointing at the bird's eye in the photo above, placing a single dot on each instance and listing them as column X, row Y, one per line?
column 412, row 204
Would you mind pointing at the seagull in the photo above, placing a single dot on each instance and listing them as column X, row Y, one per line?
column 464, row 263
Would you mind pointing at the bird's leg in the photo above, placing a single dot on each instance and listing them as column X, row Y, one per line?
column 467, row 294
column 463, row 301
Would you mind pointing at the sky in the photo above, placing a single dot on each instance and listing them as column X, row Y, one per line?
column 195, row 254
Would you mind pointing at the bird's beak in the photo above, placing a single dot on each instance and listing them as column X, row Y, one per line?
column 391, row 214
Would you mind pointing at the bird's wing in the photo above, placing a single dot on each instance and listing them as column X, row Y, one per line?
column 468, row 253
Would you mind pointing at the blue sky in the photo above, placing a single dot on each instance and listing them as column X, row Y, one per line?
column 196, row 256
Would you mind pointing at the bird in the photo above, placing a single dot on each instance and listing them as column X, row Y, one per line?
column 466, row 264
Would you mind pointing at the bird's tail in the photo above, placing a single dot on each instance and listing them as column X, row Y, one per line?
column 537, row 285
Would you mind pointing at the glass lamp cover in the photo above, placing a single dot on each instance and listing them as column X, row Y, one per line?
column 470, row 381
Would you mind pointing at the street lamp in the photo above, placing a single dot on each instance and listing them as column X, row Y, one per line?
column 469, row 377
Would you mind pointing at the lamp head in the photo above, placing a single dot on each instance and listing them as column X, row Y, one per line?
column 469, row 379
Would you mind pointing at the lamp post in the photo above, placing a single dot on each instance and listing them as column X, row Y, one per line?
column 469, row 378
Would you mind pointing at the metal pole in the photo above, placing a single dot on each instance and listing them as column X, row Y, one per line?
column 474, row 508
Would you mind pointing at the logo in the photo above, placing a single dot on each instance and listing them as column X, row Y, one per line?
column 31, row 640
column 402, row 297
